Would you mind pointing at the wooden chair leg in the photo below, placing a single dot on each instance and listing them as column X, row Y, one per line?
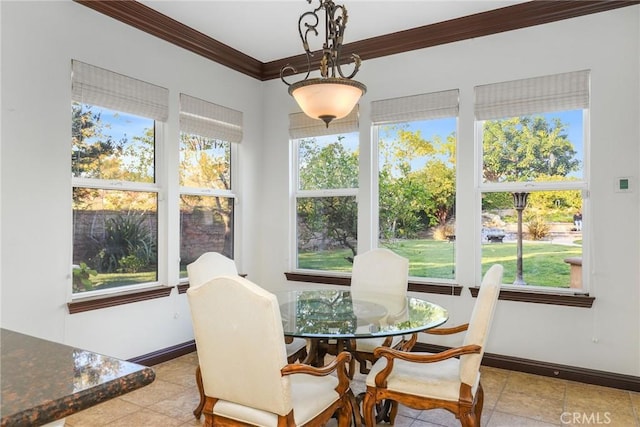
column 468, row 416
column 479, row 403
column 468, row 420
column 208, row 405
column 345, row 412
column 198, row 411
column 393, row 413
column 368, row 409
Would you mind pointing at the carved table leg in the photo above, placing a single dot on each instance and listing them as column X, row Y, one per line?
column 312, row 352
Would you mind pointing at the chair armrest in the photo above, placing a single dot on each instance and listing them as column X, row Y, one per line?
column 391, row 354
column 339, row 365
column 447, row 331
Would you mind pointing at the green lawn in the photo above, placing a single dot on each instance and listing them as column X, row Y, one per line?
column 112, row 280
column 543, row 262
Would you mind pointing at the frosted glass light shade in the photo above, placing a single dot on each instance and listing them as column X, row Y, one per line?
column 327, row 99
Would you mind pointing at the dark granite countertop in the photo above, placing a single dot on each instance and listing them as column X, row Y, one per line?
column 43, row 381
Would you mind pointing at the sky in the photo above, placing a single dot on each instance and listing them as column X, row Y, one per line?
column 122, row 124
column 443, row 127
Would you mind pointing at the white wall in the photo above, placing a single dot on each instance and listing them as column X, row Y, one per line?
column 40, row 39
column 605, row 337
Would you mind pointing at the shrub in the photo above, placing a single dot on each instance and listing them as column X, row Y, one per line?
column 538, row 228
column 126, row 238
column 442, row 232
column 82, row 277
column 131, row 264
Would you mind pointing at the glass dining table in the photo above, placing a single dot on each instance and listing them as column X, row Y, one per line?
column 345, row 315
column 348, row 314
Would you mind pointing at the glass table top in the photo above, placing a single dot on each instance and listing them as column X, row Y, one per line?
column 338, row 313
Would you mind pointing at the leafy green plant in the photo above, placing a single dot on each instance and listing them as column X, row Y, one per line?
column 82, row 277
column 125, row 236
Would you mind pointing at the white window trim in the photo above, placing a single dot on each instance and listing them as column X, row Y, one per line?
column 337, row 192
column 107, row 184
column 192, row 191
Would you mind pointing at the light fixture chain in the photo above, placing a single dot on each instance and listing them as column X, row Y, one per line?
column 333, row 95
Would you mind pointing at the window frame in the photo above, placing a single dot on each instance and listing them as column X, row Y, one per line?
column 206, row 119
column 296, row 193
column 375, row 172
column 581, row 185
column 435, row 105
column 148, row 187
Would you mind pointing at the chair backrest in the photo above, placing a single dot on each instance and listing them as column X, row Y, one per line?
column 380, row 271
column 480, row 323
column 238, row 333
column 208, row 266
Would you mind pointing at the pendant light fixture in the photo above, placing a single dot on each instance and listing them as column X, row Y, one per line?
column 332, row 95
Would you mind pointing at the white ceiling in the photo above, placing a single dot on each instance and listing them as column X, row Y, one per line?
column 268, row 30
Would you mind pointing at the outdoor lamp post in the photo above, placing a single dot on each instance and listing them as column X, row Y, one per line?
column 519, row 202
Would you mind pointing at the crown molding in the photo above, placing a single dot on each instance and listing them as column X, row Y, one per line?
column 508, row 18
column 155, row 23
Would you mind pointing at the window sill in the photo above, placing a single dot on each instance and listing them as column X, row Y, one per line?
column 429, row 288
column 569, row 300
column 112, row 300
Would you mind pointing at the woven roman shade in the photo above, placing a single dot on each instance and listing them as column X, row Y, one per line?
column 209, row 120
column 557, row 92
column 425, row 106
column 303, row 126
column 96, row 86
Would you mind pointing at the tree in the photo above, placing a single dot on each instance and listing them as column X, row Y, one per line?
column 410, row 191
column 94, row 153
column 205, row 163
column 523, row 148
column 439, row 182
column 327, row 166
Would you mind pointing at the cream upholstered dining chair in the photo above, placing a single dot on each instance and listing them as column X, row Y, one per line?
column 379, row 271
column 449, row 380
column 250, row 382
column 210, row 265
column 214, row 264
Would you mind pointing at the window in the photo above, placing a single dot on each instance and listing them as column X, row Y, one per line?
column 325, row 188
column 115, row 191
column 533, row 137
column 207, row 136
column 416, row 180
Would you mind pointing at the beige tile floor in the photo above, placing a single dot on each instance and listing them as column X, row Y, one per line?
column 512, row 399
